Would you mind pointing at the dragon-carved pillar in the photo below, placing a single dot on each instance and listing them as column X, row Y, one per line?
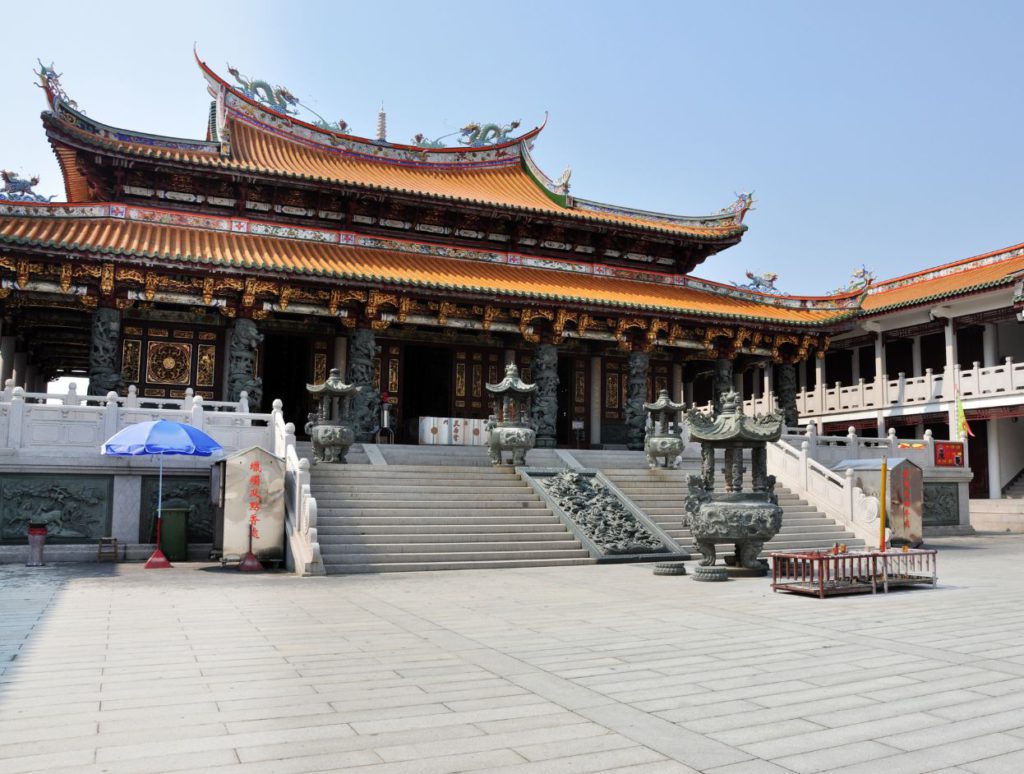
column 636, row 396
column 243, row 344
column 787, row 394
column 545, row 401
column 105, row 352
column 362, row 349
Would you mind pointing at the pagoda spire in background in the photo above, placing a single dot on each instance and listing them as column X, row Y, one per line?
column 382, row 125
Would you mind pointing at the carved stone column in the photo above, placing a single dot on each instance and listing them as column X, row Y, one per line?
column 362, row 349
column 105, row 352
column 723, row 381
column 787, row 394
column 244, row 341
column 759, row 468
column 636, row 396
column 545, row 401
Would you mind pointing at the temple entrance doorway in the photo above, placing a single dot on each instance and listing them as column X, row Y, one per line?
column 286, row 370
column 426, row 386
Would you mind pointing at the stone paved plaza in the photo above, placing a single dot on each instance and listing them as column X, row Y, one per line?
column 594, row 668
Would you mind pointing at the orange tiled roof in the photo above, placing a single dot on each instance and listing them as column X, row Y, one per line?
column 264, row 254
column 960, row 277
column 256, row 150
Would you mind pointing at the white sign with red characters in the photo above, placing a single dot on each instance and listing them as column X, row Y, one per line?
column 254, row 504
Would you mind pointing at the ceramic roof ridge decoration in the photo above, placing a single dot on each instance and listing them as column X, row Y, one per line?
column 275, row 107
column 511, row 383
column 731, row 424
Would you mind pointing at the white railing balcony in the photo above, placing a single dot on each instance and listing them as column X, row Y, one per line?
column 1006, row 379
column 70, row 427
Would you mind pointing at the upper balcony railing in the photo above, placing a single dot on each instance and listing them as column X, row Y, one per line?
column 1005, row 379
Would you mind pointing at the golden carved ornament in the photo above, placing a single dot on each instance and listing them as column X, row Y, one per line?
column 675, row 333
column 778, row 342
column 445, row 309
column 66, row 276
column 151, row 284
column 657, row 326
column 89, row 302
column 377, row 299
column 7, row 263
column 340, row 295
column 123, row 303
column 107, row 279
column 255, row 287
column 526, row 317
column 259, row 314
column 130, row 275
column 717, row 332
column 287, row 292
column 404, row 305
column 348, row 322
column 379, row 325
column 490, row 312
column 23, row 274
column 227, row 311
column 625, row 324
column 208, row 290
column 5, row 292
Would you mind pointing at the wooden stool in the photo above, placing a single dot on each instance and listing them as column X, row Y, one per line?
column 106, row 550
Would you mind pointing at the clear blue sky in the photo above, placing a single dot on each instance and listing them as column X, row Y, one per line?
column 884, row 133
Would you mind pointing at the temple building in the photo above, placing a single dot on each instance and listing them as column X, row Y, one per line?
column 276, row 248
column 210, row 281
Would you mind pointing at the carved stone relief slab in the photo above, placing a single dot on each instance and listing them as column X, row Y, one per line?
column 74, row 508
column 191, row 492
column 941, row 504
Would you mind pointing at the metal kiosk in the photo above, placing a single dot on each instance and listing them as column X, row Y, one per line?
column 904, row 492
column 248, row 489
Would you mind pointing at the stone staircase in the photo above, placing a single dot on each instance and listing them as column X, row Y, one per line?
column 402, row 518
column 1015, row 489
column 659, row 493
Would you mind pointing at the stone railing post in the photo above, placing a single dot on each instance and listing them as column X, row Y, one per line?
column 893, row 441
column 929, row 384
column 111, row 415
column 289, row 434
column 882, row 385
column 803, row 464
column 861, row 393
column 848, row 494
column 132, row 398
column 72, row 399
column 187, row 402
column 8, row 390
column 243, row 402
column 197, row 419
column 277, row 428
column 15, row 430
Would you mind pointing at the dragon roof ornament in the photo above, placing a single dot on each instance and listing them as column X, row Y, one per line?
column 738, row 209
column 761, row 283
column 282, row 100
column 49, row 81
column 18, row 189
column 860, row 279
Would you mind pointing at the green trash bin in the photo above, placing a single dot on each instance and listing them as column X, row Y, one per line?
column 174, row 533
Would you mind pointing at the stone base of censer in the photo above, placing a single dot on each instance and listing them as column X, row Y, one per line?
column 710, row 574
column 670, row 568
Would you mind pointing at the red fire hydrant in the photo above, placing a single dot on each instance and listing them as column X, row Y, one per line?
column 36, row 541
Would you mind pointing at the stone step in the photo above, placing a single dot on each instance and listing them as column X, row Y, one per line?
column 451, row 496
column 427, row 521
column 479, row 564
column 413, row 533
column 327, row 501
column 432, row 557
column 353, row 551
column 327, row 511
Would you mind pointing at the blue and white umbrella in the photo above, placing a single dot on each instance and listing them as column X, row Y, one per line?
column 160, row 437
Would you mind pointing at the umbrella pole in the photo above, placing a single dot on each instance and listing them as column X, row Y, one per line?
column 158, row 561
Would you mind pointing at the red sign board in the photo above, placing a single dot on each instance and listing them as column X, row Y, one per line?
column 949, row 454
